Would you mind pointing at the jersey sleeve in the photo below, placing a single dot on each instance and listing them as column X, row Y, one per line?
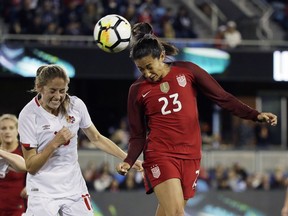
column 137, row 127
column 211, row 88
column 27, row 130
column 85, row 116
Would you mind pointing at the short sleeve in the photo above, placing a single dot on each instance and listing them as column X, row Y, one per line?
column 26, row 129
column 85, row 116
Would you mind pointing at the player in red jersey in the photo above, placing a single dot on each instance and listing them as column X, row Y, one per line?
column 163, row 120
column 12, row 169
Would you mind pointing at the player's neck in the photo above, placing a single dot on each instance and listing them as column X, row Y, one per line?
column 9, row 147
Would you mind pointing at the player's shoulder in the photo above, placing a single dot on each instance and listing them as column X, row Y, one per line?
column 184, row 64
column 30, row 106
column 137, row 83
column 76, row 102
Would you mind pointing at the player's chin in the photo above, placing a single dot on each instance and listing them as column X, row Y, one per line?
column 154, row 79
column 54, row 106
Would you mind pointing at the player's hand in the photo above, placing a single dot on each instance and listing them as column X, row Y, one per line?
column 63, row 136
column 138, row 166
column 123, row 168
column 268, row 118
column 23, row 193
column 284, row 211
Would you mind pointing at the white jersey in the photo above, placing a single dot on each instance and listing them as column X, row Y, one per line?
column 61, row 175
column 3, row 167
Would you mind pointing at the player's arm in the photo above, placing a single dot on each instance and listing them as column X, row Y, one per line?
column 15, row 161
column 103, row 143
column 284, row 211
column 137, row 128
column 35, row 160
column 211, row 88
column 106, row 145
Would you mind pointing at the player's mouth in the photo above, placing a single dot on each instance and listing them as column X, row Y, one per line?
column 55, row 103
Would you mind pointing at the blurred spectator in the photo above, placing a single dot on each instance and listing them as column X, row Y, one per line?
column 111, row 7
column 130, row 13
column 258, row 181
column 278, row 179
column 206, row 134
column 183, row 24
column 166, row 24
column 104, row 179
column 145, row 15
column 262, row 136
column 114, row 186
column 48, row 13
column 240, row 171
column 244, row 134
column 70, row 19
column 203, row 181
column 205, row 7
column 26, row 16
column 129, row 182
column 219, row 37
column 219, row 177
column 232, row 36
column 120, row 135
column 90, row 173
column 37, row 26
column 90, row 17
column 235, row 182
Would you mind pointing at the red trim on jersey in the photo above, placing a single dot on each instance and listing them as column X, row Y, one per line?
column 86, row 201
column 37, row 102
column 25, row 145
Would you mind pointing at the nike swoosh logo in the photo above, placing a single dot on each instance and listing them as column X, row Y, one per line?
column 144, row 95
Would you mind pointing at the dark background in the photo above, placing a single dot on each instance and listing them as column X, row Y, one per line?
column 102, row 81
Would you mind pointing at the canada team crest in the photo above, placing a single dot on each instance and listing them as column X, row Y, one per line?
column 70, row 119
column 155, row 171
column 181, row 79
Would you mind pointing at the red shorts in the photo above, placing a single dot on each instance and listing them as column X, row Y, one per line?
column 161, row 168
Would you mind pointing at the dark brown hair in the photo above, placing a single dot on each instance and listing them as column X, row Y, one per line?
column 146, row 43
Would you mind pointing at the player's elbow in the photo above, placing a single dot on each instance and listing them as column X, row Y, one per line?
column 31, row 169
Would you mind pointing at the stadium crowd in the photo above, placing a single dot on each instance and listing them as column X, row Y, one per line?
column 221, row 177
column 234, row 177
column 78, row 17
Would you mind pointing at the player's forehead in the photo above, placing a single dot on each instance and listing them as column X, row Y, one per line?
column 56, row 84
column 7, row 123
column 145, row 61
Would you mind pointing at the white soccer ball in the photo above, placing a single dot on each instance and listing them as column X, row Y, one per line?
column 112, row 33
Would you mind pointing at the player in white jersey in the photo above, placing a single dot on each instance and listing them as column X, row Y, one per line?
column 48, row 127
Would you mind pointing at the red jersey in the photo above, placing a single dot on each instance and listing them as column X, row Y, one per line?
column 163, row 116
column 10, row 189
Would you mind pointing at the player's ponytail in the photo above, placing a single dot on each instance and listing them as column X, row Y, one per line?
column 145, row 43
column 140, row 29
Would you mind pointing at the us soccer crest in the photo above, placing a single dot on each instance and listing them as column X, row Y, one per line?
column 181, row 79
column 164, row 87
column 155, row 171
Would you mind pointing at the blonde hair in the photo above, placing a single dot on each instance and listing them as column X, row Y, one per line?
column 46, row 73
column 9, row 117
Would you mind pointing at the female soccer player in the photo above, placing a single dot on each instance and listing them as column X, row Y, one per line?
column 12, row 169
column 163, row 119
column 48, row 127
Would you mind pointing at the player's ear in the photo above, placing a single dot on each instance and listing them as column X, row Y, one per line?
column 38, row 87
column 162, row 56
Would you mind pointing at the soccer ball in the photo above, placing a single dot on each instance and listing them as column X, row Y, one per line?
column 112, row 33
